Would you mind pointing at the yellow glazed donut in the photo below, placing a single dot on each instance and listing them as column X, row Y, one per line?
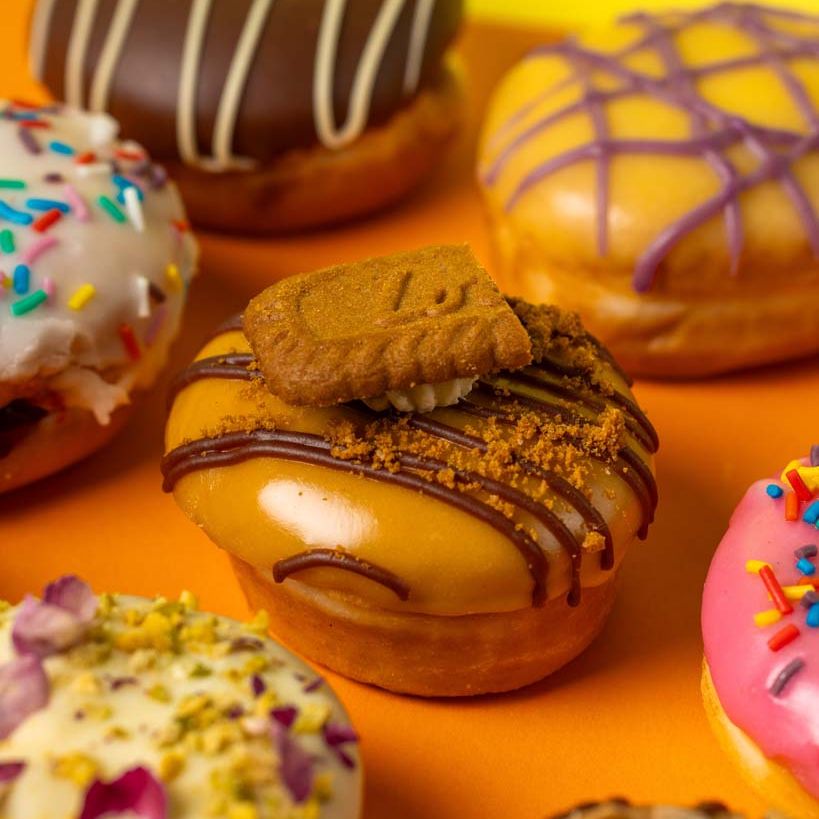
column 662, row 178
column 129, row 706
column 468, row 549
column 96, row 259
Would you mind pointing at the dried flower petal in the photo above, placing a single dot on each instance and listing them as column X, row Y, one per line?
column 9, row 771
column 136, row 791
column 24, row 689
column 295, row 764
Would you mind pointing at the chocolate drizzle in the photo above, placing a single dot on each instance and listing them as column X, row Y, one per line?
column 714, row 130
column 315, row 558
column 502, row 400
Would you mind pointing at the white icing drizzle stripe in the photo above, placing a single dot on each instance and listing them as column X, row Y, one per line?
column 188, row 79
column 111, row 51
column 38, row 39
column 417, row 44
column 77, row 49
column 365, row 76
column 233, row 91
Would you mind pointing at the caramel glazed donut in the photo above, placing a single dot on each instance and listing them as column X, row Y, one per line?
column 96, row 258
column 661, row 177
column 270, row 114
column 623, row 809
column 465, row 550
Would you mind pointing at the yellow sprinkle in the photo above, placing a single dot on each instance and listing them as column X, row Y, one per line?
column 174, row 277
column 82, row 295
column 171, row 765
column 77, row 768
column 767, row 618
column 754, row 566
column 809, row 474
column 796, row 592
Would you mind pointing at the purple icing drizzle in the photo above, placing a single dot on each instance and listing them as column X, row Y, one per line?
column 713, row 130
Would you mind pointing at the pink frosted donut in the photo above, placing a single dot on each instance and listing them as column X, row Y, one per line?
column 760, row 625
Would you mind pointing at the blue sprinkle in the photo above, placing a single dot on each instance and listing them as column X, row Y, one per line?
column 61, row 148
column 48, row 204
column 813, row 616
column 22, row 278
column 811, row 514
column 805, row 566
column 774, row 491
column 16, row 216
column 122, row 181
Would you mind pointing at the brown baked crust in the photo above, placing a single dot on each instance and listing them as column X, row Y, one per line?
column 423, row 654
column 58, row 440
column 357, row 330
column 311, row 187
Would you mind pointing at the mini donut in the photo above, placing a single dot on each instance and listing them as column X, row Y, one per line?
column 272, row 115
column 760, row 614
column 661, row 177
column 467, row 549
column 623, row 809
column 95, row 259
column 114, row 704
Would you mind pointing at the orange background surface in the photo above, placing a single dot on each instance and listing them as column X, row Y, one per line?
column 626, row 717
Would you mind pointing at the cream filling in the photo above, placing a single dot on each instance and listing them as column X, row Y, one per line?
column 424, row 397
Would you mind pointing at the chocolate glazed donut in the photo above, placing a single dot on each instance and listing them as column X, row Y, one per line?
column 262, row 91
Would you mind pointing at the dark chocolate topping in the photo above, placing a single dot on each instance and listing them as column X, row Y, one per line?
column 275, row 104
column 344, row 561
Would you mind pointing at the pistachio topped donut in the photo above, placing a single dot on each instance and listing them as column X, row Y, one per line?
column 95, row 258
column 129, row 706
column 288, row 106
column 661, row 177
column 403, row 548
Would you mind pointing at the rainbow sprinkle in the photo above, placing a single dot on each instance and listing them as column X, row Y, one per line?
column 774, row 490
column 28, row 303
column 110, row 207
column 6, row 241
column 77, row 203
column 47, row 204
column 174, row 277
column 61, row 148
column 22, row 279
column 12, row 215
column 81, row 296
column 784, row 677
column 12, row 184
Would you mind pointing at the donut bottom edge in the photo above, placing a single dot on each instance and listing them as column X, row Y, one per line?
column 663, row 334
column 768, row 778
column 56, row 443
column 311, row 188
column 428, row 655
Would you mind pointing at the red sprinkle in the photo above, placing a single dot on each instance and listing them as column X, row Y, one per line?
column 129, row 341
column 86, row 158
column 18, row 103
column 182, row 225
column 799, row 487
column 782, row 637
column 775, row 590
column 133, row 156
column 33, row 123
column 44, row 222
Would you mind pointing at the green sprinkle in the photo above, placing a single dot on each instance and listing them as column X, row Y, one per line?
column 27, row 304
column 6, row 241
column 12, row 184
column 110, row 207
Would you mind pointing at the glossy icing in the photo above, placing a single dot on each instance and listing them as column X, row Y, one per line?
column 746, row 673
column 91, row 350
column 709, row 115
column 452, row 561
column 116, row 700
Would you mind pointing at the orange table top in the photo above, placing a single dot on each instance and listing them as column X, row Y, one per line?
column 626, row 717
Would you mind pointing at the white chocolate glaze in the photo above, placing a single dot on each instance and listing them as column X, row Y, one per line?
column 79, row 353
column 160, row 685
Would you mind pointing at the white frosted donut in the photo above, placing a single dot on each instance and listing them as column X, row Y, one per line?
column 148, row 705
column 95, row 259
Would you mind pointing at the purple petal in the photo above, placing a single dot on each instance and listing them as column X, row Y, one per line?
column 24, row 689
column 137, row 791
column 43, row 629
column 285, row 715
column 295, row 764
column 258, row 685
column 314, row 685
column 9, row 771
column 336, row 734
column 74, row 595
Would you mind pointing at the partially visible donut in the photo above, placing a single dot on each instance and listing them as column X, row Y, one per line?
column 623, row 809
column 292, row 107
column 95, row 258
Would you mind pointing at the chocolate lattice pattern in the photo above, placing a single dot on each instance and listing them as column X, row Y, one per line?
column 713, row 129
